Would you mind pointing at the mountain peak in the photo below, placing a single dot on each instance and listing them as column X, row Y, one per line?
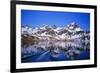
column 73, row 25
column 54, row 32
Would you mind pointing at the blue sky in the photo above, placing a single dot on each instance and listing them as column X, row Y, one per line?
column 35, row 18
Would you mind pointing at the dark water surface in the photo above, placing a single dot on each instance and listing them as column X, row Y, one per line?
column 44, row 51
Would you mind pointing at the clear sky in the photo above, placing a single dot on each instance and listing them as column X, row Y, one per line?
column 36, row 18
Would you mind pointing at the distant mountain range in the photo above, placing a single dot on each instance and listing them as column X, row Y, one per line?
column 70, row 32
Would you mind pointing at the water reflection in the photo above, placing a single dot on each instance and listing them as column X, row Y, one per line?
column 43, row 51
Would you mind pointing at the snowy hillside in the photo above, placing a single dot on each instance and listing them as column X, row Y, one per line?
column 70, row 32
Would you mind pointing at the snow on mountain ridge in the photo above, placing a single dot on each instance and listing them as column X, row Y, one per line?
column 72, row 31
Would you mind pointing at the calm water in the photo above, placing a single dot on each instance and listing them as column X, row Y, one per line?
column 44, row 51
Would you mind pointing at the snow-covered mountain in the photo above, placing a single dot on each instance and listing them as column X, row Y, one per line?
column 46, row 32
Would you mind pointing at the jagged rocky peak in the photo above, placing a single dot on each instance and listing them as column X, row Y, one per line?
column 72, row 31
column 48, row 26
column 54, row 26
column 45, row 26
column 73, row 25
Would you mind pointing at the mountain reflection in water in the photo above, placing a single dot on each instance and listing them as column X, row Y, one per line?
column 44, row 51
